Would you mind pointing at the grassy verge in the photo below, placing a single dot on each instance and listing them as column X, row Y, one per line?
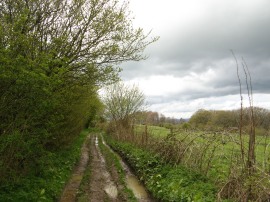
column 164, row 181
column 48, row 186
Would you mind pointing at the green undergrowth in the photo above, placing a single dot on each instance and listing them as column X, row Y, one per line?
column 48, row 185
column 166, row 182
column 113, row 160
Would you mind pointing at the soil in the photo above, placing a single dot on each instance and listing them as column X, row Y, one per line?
column 71, row 189
column 102, row 187
column 102, row 184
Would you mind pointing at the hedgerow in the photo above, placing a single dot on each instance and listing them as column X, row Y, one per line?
column 165, row 182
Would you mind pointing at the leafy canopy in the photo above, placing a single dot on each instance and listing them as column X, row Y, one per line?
column 54, row 56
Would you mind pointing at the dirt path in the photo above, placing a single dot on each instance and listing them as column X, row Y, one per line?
column 102, row 187
column 102, row 184
column 71, row 189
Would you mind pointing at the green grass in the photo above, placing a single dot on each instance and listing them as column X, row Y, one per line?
column 47, row 186
column 227, row 148
column 165, row 182
column 153, row 130
column 216, row 155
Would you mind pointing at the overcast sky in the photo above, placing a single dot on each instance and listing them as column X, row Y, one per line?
column 191, row 66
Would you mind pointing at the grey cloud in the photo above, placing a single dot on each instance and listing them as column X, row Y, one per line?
column 206, row 45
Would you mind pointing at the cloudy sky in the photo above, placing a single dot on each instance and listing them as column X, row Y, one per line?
column 191, row 66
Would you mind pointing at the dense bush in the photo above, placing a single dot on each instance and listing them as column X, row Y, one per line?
column 48, row 184
column 54, row 57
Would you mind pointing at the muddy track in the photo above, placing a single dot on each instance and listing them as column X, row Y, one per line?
column 132, row 181
column 102, row 186
column 103, row 183
column 71, row 189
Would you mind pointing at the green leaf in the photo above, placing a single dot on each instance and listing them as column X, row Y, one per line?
column 42, row 192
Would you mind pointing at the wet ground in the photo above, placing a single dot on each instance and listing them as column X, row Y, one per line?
column 102, row 187
column 132, row 182
column 103, row 184
column 71, row 189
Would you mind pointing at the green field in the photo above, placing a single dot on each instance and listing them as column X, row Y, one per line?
column 214, row 153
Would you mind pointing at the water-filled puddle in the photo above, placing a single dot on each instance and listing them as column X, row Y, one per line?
column 132, row 182
column 136, row 187
column 111, row 190
column 110, row 187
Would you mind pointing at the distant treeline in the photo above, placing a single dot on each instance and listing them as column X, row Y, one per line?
column 155, row 118
column 210, row 119
column 221, row 119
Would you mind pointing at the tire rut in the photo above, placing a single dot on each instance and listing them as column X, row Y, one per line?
column 102, row 187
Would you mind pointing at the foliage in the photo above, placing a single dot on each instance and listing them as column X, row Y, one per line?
column 122, row 102
column 147, row 117
column 48, row 185
column 54, row 56
column 229, row 120
column 164, row 181
column 216, row 155
column 200, row 118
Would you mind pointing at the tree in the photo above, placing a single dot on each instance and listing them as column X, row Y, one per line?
column 54, row 56
column 186, row 126
column 224, row 119
column 80, row 37
column 152, row 118
column 200, row 118
column 122, row 102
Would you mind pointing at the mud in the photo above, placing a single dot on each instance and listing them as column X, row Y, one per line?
column 132, row 181
column 103, row 183
column 102, row 187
